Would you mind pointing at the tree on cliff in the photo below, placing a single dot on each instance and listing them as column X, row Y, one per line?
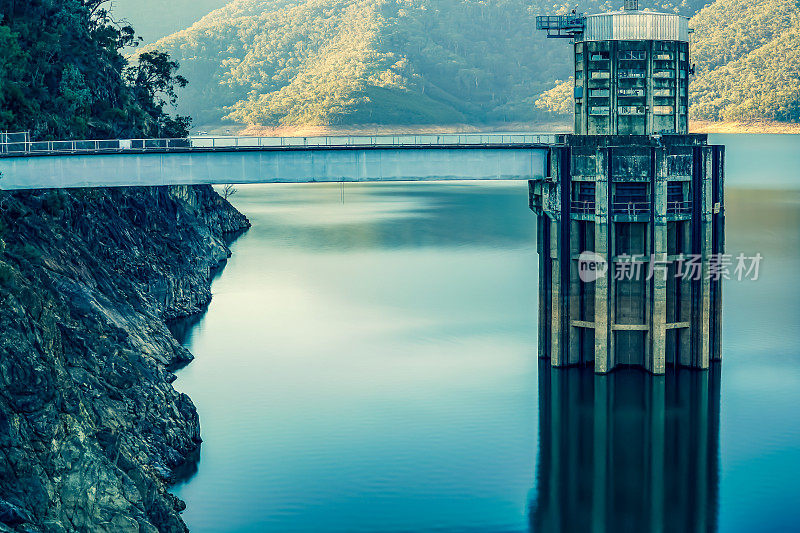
column 62, row 74
column 153, row 81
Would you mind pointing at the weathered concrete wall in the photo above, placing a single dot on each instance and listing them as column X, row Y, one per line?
column 273, row 166
column 631, row 87
column 624, row 196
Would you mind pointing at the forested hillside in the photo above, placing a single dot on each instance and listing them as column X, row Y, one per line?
column 747, row 57
column 62, row 75
column 294, row 62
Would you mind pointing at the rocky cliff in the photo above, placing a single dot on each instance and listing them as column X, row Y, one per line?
column 91, row 430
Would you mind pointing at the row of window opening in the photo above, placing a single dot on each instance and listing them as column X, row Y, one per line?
column 631, row 55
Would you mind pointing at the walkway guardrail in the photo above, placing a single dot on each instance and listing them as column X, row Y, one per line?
column 248, row 143
column 582, row 207
column 682, row 207
column 630, row 208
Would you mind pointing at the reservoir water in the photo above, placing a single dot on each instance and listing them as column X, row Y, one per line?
column 369, row 363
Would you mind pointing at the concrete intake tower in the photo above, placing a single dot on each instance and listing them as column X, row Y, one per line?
column 631, row 214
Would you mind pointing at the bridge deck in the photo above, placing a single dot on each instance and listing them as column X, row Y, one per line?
column 128, row 162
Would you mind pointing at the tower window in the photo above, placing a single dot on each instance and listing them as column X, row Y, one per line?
column 676, row 198
column 634, row 55
column 631, row 198
column 674, row 191
column 631, row 73
column 583, row 197
column 631, row 92
column 631, row 110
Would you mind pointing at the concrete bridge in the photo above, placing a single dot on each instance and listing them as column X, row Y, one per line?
column 216, row 160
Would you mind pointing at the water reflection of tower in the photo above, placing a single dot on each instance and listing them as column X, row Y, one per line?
column 627, row 451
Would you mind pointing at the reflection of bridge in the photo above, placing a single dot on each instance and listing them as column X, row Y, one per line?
column 126, row 162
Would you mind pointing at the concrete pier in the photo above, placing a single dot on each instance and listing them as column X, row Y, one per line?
column 648, row 214
column 631, row 212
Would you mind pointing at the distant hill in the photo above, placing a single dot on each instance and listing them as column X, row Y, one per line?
column 299, row 62
column 154, row 19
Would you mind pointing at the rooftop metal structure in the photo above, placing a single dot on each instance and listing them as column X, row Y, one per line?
column 635, row 26
column 561, row 26
column 630, row 24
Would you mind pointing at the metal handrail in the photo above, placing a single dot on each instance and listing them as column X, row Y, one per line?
column 681, row 207
column 630, row 208
column 253, row 142
column 583, row 207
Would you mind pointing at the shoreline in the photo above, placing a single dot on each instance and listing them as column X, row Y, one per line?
column 89, row 280
column 695, row 126
column 749, row 127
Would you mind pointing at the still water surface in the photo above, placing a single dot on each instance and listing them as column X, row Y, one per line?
column 368, row 363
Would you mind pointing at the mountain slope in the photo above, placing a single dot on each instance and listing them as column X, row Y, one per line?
column 370, row 61
column 727, row 30
column 748, row 58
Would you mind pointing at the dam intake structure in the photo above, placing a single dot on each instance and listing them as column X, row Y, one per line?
column 631, row 213
column 631, row 208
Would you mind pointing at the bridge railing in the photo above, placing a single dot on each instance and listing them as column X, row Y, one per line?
column 374, row 140
column 243, row 142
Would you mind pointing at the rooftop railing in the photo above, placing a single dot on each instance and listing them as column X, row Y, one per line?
column 207, row 143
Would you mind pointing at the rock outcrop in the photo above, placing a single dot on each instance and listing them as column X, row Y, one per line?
column 91, row 430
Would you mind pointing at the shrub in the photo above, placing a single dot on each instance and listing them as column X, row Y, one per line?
column 54, row 203
column 8, row 275
column 31, row 253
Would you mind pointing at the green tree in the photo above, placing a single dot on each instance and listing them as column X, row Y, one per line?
column 62, row 74
column 154, row 81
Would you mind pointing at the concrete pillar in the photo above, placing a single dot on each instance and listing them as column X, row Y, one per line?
column 648, row 91
column 545, row 284
column 574, row 350
column 706, row 250
column 556, row 247
column 602, row 328
column 658, row 316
